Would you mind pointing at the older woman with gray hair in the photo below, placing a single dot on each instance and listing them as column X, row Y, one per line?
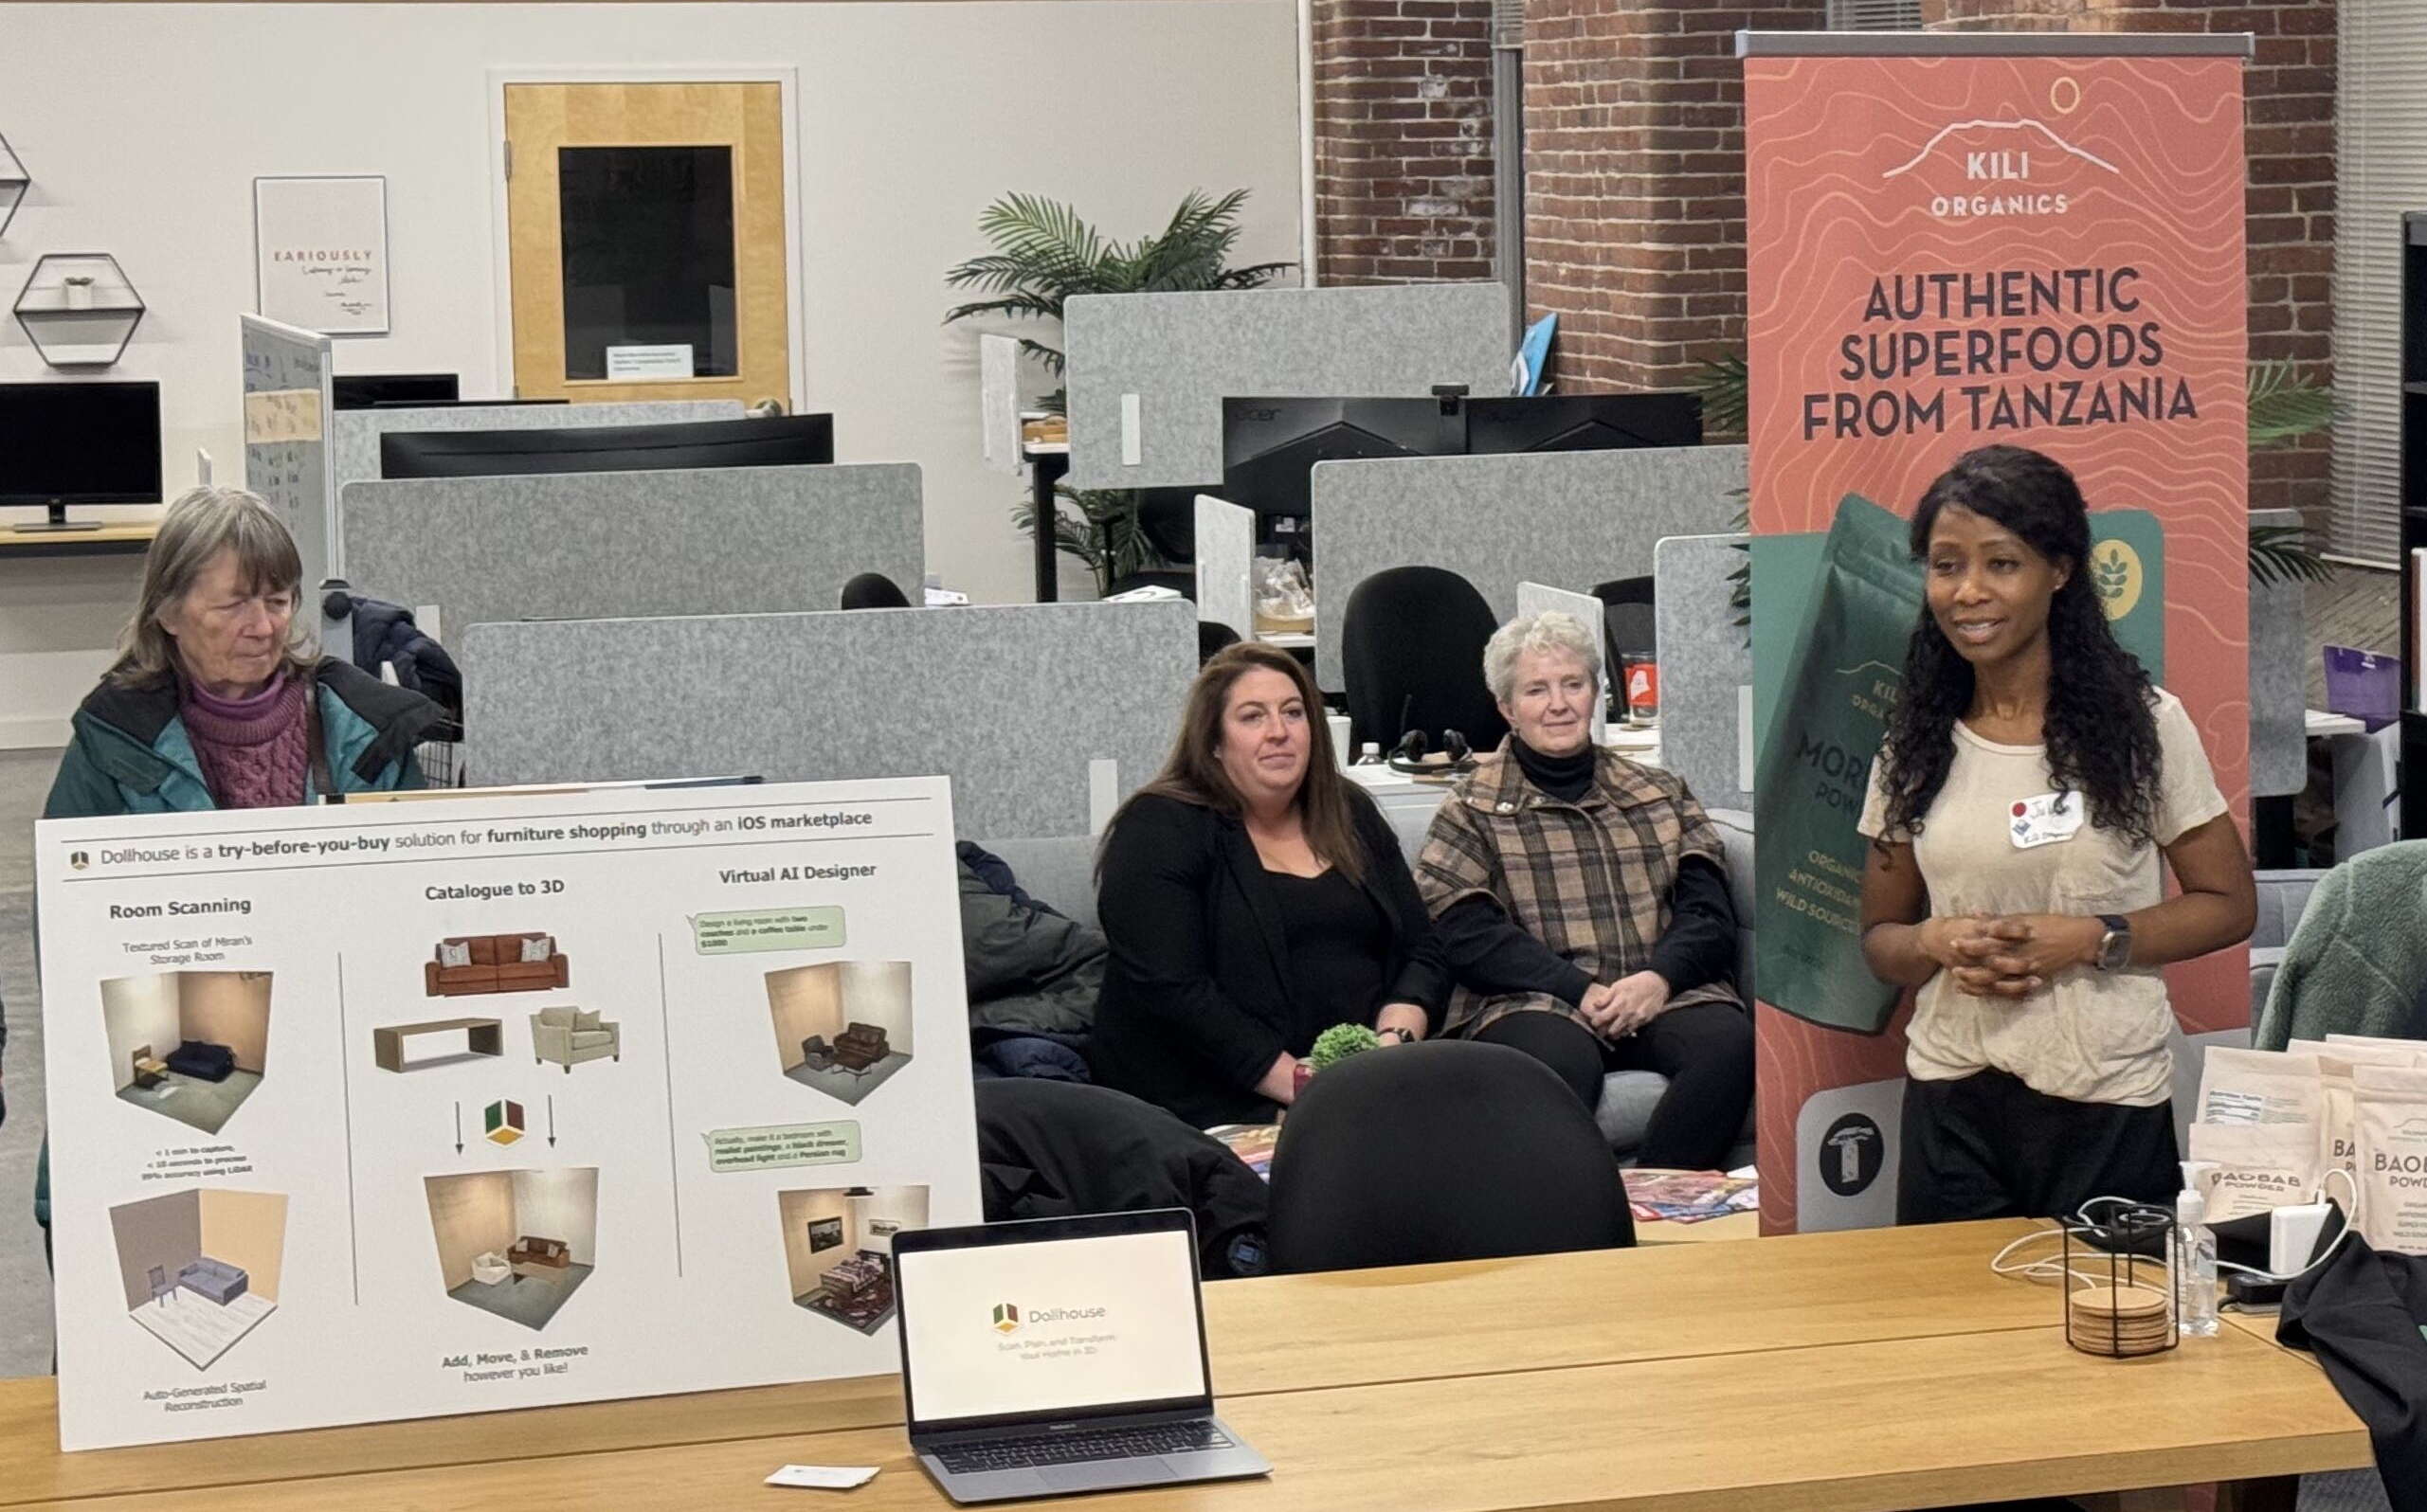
column 215, row 701
column 1591, row 893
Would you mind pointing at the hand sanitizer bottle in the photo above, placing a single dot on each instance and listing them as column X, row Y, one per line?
column 2194, row 1264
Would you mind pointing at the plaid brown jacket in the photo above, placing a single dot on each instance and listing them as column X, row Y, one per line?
column 1590, row 879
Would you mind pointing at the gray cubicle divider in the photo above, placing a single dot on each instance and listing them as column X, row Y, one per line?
column 1568, row 519
column 1149, row 372
column 589, row 545
column 1705, row 661
column 287, row 452
column 356, row 432
column 2278, row 679
column 1225, row 545
column 1043, row 715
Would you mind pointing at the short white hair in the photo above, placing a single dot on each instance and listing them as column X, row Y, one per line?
column 1551, row 630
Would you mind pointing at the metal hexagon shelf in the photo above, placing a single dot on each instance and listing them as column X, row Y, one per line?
column 79, row 309
column 14, row 182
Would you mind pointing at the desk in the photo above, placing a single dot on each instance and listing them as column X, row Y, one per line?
column 481, row 1037
column 131, row 539
column 1857, row 1371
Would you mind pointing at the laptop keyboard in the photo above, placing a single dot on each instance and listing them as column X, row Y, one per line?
column 1078, row 1447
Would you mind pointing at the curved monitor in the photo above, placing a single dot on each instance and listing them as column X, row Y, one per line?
column 780, row 441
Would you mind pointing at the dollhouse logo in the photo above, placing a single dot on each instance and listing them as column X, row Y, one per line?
column 1986, row 168
column 1006, row 1318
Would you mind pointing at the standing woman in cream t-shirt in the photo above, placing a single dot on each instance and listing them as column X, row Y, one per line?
column 2031, row 778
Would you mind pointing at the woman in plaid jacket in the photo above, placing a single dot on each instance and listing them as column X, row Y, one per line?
column 1590, row 894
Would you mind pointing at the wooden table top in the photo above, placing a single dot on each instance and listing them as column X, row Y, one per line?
column 1875, row 1369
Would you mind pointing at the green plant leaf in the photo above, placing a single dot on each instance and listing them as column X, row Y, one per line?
column 2286, row 405
column 1724, row 383
column 2280, row 553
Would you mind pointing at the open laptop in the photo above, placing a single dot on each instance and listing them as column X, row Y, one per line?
column 1060, row 1354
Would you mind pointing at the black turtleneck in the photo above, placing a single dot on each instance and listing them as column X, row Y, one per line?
column 1566, row 778
column 1492, row 953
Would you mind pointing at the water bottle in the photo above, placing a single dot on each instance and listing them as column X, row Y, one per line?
column 2193, row 1264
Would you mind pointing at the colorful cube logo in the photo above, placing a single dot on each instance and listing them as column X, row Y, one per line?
column 504, row 1121
column 1006, row 1318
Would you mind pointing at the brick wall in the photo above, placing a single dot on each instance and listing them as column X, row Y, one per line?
column 1635, row 198
column 1402, row 140
column 2289, row 90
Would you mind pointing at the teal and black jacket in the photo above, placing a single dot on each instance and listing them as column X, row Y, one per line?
column 130, row 754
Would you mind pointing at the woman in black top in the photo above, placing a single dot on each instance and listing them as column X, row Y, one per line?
column 1252, row 897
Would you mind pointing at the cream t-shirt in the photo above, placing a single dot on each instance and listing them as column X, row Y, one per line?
column 2087, row 1036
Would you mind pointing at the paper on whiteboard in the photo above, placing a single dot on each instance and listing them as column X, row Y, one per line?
column 281, row 415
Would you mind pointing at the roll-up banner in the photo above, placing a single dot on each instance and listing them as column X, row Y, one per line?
column 1955, row 239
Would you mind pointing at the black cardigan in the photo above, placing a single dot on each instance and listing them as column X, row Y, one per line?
column 1196, row 1003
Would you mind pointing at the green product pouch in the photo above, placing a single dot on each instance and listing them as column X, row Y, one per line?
column 1829, row 721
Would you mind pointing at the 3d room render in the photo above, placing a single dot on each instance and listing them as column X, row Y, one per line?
column 191, row 1045
column 842, row 1026
column 515, row 1243
column 838, row 1242
column 201, row 1267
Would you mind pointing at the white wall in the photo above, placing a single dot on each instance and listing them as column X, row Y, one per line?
column 559, row 1204
column 877, row 992
column 140, row 1011
column 143, row 127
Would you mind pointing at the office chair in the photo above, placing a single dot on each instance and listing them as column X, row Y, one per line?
column 1628, row 623
column 873, row 590
column 1411, row 655
column 1168, row 518
column 1444, row 1150
column 1212, row 635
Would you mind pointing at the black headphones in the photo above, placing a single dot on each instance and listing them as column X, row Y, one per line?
column 1408, row 755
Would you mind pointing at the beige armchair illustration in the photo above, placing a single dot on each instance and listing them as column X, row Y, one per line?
column 571, row 1036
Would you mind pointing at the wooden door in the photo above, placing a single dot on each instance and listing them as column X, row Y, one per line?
column 642, row 220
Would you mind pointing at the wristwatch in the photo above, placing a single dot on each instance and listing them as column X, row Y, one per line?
column 2115, row 946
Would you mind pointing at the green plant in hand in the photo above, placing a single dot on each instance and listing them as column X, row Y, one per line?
column 1043, row 253
column 1339, row 1042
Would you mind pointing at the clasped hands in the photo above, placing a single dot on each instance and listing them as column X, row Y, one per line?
column 2008, row 956
column 1617, row 1009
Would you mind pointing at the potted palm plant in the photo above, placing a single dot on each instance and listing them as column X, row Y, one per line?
column 1042, row 254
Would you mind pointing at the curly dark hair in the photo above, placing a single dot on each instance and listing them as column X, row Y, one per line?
column 2101, row 727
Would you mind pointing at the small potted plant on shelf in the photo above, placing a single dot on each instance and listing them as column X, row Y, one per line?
column 78, row 291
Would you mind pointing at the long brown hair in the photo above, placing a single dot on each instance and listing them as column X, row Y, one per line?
column 1192, row 773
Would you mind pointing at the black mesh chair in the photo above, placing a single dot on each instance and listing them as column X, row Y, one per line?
column 1627, row 624
column 873, row 590
column 1444, row 1150
column 1411, row 655
column 1212, row 635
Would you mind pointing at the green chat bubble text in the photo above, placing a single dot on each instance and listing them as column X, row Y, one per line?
column 777, row 1146
column 732, row 934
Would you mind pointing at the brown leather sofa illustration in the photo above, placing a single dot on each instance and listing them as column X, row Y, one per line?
column 552, row 1254
column 492, row 964
column 855, row 1050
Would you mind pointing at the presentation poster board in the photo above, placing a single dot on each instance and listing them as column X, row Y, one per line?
column 401, row 1109
column 1953, row 241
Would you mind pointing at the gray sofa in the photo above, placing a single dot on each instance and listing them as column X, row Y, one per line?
column 1062, row 871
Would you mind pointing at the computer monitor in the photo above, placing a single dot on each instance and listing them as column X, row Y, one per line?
column 64, row 444
column 1583, row 422
column 778, row 440
column 1270, row 447
column 367, row 390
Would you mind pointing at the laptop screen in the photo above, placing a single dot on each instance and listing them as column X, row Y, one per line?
column 1058, row 1326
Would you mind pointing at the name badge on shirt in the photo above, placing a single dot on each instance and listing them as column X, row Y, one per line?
column 2044, row 821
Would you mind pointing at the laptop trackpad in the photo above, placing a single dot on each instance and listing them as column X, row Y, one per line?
column 1104, row 1474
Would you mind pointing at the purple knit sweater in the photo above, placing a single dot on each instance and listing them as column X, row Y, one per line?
column 252, row 751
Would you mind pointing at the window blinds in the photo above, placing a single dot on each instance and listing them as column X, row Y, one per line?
column 2381, row 171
